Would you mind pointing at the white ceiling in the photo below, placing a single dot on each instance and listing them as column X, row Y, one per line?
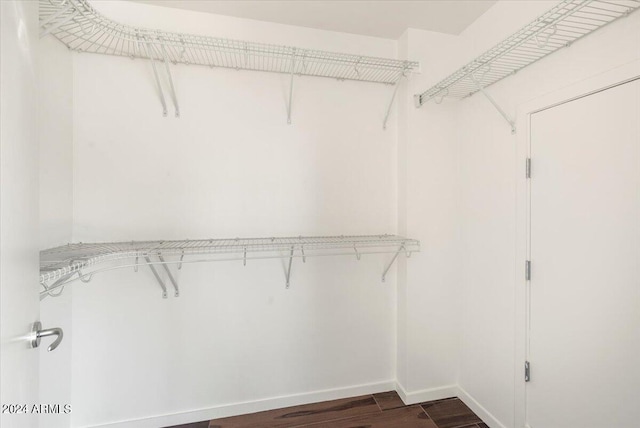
column 379, row 18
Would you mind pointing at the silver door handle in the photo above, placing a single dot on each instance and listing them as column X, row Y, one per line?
column 38, row 334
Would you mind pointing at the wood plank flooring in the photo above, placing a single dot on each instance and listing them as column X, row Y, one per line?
column 384, row 410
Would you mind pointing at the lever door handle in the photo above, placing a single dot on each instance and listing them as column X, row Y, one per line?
column 38, row 333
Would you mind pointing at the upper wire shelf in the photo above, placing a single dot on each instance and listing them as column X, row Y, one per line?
column 82, row 28
column 557, row 28
column 68, row 263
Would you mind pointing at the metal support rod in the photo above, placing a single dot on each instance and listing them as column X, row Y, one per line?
column 174, row 97
column 155, row 73
column 173, row 281
column 395, row 256
column 393, row 97
column 504, row 115
column 289, row 270
column 57, row 25
column 155, row 273
column 293, row 67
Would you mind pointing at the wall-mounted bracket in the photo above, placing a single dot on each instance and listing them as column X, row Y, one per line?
column 173, row 281
column 393, row 97
column 395, row 256
column 495, row 104
column 174, row 97
column 289, row 269
column 151, row 53
column 291, row 74
column 155, row 273
column 147, row 50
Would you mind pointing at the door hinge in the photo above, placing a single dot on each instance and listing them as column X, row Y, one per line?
column 528, row 168
column 527, row 371
column 527, row 270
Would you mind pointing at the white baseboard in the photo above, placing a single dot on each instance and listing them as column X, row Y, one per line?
column 477, row 408
column 245, row 407
column 423, row 395
column 234, row 409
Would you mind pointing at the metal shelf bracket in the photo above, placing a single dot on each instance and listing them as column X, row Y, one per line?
column 151, row 52
column 395, row 256
column 174, row 97
column 147, row 49
column 155, row 273
column 288, row 272
column 393, row 97
column 506, row 117
column 291, row 74
column 173, row 281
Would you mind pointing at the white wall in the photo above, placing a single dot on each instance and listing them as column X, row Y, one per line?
column 488, row 173
column 430, row 295
column 55, row 118
column 428, row 327
column 230, row 166
column 457, row 194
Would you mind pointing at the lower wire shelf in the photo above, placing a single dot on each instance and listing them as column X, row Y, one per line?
column 61, row 266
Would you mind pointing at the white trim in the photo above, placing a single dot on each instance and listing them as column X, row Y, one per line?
column 486, row 416
column 423, row 395
column 524, row 111
column 246, row 407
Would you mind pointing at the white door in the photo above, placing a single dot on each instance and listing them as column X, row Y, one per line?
column 584, row 339
column 19, row 303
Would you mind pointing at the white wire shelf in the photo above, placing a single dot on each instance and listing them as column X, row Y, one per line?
column 82, row 28
column 559, row 27
column 63, row 265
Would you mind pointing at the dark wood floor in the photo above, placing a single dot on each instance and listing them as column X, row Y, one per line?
column 384, row 410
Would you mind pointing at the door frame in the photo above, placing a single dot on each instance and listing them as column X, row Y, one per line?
column 614, row 77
